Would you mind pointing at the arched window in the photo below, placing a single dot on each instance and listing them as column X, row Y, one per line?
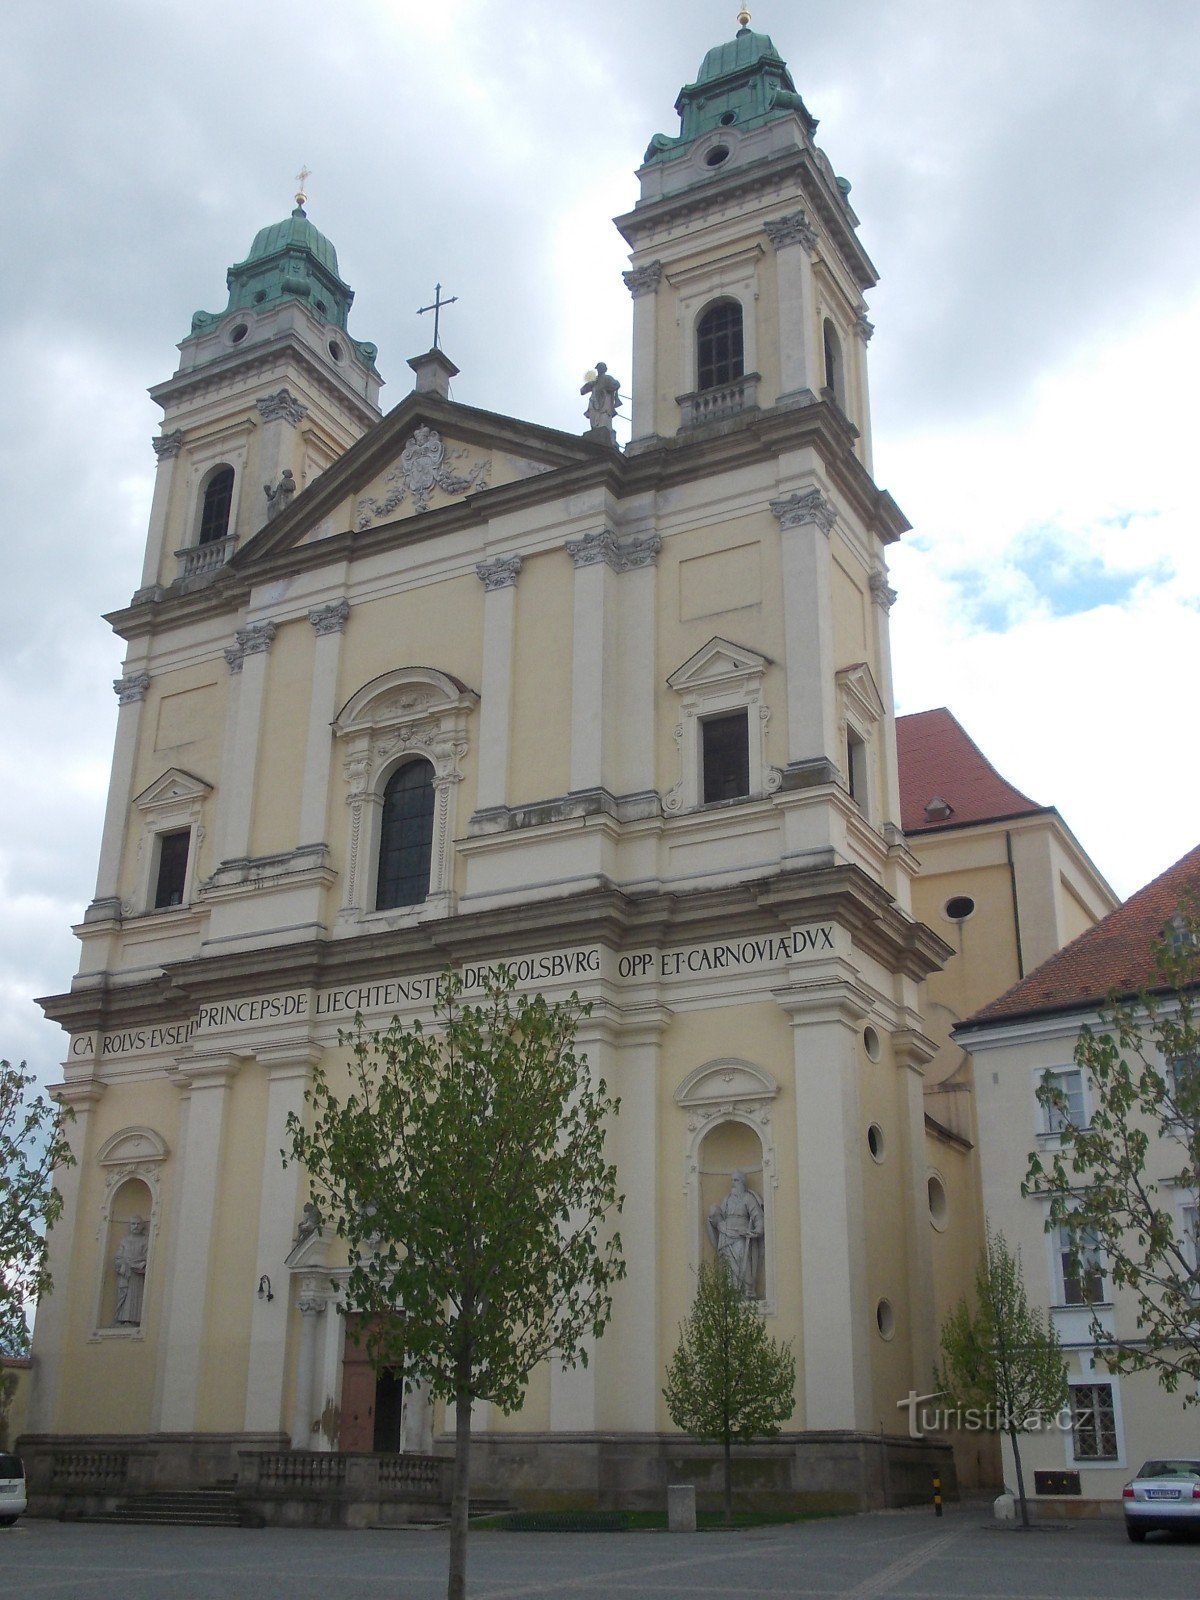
column 835, row 381
column 405, row 837
column 719, row 357
column 218, row 502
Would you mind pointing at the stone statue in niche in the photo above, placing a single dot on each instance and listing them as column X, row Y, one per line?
column 604, row 399
column 130, row 1262
column 735, row 1227
column 279, row 498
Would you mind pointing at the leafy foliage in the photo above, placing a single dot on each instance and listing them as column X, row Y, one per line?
column 1003, row 1360
column 727, row 1380
column 1112, row 1186
column 33, row 1143
column 465, row 1170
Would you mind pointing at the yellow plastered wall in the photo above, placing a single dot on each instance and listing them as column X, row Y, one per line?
column 105, row 1378
column 759, row 1033
column 539, row 753
column 282, row 741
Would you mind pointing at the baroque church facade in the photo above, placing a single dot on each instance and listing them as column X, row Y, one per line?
column 461, row 689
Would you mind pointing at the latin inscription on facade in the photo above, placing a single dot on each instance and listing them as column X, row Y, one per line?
column 342, row 1004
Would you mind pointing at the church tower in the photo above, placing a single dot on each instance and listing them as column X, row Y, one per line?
column 272, row 385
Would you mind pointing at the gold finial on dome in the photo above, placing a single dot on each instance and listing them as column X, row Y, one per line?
column 302, row 178
column 743, row 18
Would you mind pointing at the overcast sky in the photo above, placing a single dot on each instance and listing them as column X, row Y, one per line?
column 1026, row 175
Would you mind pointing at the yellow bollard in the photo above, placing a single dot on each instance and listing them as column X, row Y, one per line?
column 937, row 1496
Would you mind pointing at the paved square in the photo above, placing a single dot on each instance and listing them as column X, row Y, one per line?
column 909, row 1555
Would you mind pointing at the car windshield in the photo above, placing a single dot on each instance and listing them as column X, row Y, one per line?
column 10, row 1467
column 1170, row 1469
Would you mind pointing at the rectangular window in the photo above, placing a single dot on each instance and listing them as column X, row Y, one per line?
column 856, row 770
column 1189, row 1242
column 725, row 752
column 1093, row 1422
column 1081, row 1268
column 1184, row 1082
column 1067, row 1082
column 171, row 879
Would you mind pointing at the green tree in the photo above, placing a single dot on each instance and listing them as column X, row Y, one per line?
column 33, row 1143
column 465, row 1169
column 1002, row 1360
column 727, row 1380
column 1112, row 1185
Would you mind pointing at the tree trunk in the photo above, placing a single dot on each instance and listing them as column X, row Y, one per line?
column 728, row 1481
column 456, row 1587
column 1016, row 1449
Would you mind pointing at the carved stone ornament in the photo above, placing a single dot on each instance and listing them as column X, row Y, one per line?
column 794, row 510
column 499, row 573
column 795, row 228
column 423, row 467
column 168, row 445
column 644, row 280
column 233, row 656
column 251, row 641
column 281, row 406
column 622, row 555
column 863, row 326
column 127, row 690
column 331, row 618
column 881, row 591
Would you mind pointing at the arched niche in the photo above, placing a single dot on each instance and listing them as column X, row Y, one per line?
column 131, row 1161
column 728, row 1105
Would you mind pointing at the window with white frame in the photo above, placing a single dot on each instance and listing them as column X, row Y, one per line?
column 860, row 711
column 722, row 731
column 1093, row 1422
column 404, row 736
column 1189, row 1241
column 1184, row 1084
column 1068, row 1105
column 172, row 815
column 1080, row 1267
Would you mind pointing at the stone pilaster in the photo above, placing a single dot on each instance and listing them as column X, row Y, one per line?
column 281, row 415
column 499, row 579
column 643, row 283
column 312, row 1304
column 794, row 240
column 167, row 447
column 247, row 659
column 806, row 519
column 328, row 624
column 130, row 691
column 595, row 558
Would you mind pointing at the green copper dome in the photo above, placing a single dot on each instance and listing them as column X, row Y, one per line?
column 293, row 233
column 741, row 84
column 289, row 260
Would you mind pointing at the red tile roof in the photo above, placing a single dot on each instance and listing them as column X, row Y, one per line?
column 942, row 766
column 1116, row 954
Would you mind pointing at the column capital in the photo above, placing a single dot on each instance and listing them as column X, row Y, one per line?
column 795, row 510
column 594, row 548
column 794, row 228
column 640, row 552
column 882, row 592
column 166, row 446
column 644, row 280
column 863, row 326
column 215, row 1071
column 256, row 639
column 78, row 1094
column 282, row 405
column 132, row 688
column 500, row 572
column 331, row 618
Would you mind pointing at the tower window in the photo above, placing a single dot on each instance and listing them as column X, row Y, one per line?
column 725, row 752
column 218, row 502
column 856, row 769
column 835, row 382
column 171, row 878
column 719, row 358
column 406, row 837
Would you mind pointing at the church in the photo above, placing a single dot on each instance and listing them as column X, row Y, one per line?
column 461, row 688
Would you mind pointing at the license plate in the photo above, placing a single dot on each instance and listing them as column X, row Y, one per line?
column 9, row 1488
column 1162, row 1494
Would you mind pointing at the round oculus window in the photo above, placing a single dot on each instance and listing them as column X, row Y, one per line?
column 875, row 1141
column 717, row 155
column 885, row 1319
column 335, row 350
column 960, row 907
column 938, row 1204
column 236, row 335
column 871, row 1043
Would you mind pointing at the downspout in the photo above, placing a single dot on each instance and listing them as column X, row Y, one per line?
column 1012, row 878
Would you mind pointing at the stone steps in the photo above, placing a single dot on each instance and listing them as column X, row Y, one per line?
column 194, row 1508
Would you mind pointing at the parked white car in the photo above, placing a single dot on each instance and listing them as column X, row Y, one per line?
column 1165, row 1494
column 12, row 1489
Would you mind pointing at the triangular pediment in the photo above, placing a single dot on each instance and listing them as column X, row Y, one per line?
column 719, row 661
column 428, row 456
column 861, row 691
column 175, row 787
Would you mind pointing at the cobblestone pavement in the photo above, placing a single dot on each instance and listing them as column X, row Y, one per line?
column 907, row 1555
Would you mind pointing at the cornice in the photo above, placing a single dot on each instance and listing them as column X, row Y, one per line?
column 840, row 893
column 713, row 196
